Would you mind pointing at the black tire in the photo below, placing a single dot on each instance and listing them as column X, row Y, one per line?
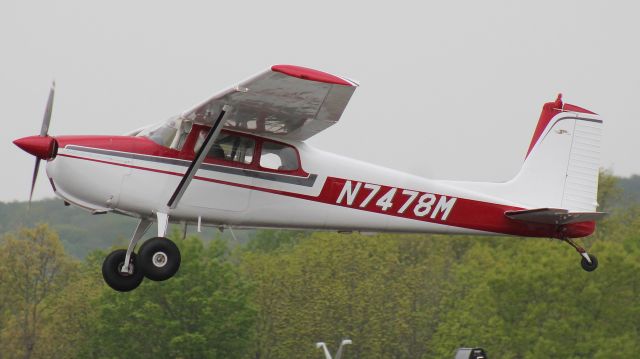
column 159, row 258
column 118, row 280
column 589, row 267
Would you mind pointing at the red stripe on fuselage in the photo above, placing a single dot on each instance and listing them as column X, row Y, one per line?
column 465, row 213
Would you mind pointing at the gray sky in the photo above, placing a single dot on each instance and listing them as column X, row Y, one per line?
column 449, row 89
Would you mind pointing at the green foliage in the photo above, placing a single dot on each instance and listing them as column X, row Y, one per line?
column 269, row 240
column 523, row 305
column 382, row 292
column 425, row 296
column 72, row 312
column 34, row 269
column 203, row 312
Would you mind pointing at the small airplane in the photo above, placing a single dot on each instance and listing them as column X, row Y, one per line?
column 239, row 160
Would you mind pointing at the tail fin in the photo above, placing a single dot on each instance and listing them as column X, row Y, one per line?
column 562, row 163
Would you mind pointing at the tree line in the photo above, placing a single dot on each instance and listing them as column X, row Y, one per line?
column 395, row 296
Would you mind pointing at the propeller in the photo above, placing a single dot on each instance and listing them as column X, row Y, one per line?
column 44, row 131
column 42, row 146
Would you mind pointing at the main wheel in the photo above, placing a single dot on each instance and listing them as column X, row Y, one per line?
column 113, row 276
column 589, row 267
column 159, row 258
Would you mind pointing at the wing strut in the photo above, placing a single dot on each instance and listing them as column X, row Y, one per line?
column 197, row 161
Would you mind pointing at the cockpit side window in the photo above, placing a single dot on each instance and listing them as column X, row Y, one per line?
column 229, row 147
column 278, row 156
column 259, row 154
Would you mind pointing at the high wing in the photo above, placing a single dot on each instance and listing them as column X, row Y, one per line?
column 286, row 101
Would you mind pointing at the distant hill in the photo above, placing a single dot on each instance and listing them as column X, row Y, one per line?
column 80, row 231
column 630, row 187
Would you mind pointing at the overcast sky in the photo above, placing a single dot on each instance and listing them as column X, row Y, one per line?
column 449, row 89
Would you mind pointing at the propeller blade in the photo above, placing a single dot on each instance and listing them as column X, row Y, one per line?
column 33, row 181
column 47, row 112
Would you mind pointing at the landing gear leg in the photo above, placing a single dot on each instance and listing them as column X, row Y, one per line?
column 120, row 269
column 141, row 229
column 589, row 262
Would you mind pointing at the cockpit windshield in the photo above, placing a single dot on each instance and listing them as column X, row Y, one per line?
column 171, row 133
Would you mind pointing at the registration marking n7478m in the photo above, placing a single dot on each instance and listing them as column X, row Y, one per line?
column 393, row 200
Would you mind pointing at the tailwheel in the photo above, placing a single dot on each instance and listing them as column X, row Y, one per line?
column 589, row 262
column 159, row 258
column 117, row 276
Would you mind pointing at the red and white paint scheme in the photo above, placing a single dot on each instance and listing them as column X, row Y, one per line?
column 239, row 160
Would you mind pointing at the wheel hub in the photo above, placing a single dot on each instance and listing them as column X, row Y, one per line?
column 159, row 259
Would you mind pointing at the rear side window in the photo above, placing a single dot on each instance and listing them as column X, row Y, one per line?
column 277, row 156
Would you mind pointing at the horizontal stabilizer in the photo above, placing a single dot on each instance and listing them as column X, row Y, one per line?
column 554, row 216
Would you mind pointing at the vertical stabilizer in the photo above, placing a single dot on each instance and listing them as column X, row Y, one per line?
column 562, row 162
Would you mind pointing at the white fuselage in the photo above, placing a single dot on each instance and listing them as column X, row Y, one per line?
column 106, row 180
